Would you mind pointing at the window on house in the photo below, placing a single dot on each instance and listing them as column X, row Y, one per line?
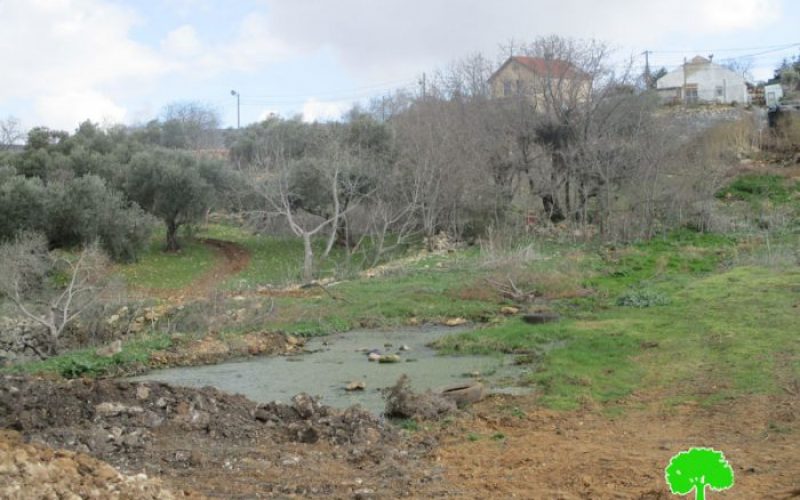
column 506, row 88
column 519, row 87
column 719, row 91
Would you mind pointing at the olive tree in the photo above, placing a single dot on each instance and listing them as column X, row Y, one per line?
column 175, row 186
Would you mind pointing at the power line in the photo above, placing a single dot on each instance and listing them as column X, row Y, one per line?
column 351, row 90
column 250, row 101
column 740, row 49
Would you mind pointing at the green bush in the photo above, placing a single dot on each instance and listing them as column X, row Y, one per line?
column 756, row 187
column 74, row 212
column 85, row 209
column 22, row 206
column 642, row 297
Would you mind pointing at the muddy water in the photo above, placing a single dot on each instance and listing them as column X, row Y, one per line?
column 336, row 360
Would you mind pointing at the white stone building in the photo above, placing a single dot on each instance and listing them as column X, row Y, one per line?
column 702, row 81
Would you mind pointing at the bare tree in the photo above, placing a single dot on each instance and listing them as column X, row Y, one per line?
column 10, row 132
column 27, row 270
column 191, row 125
column 273, row 176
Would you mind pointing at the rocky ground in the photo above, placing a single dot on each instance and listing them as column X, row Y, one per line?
column 30, row 471
column 217, row 444
column 205, row 443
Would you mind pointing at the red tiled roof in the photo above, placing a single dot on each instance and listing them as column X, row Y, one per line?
column 550, row 67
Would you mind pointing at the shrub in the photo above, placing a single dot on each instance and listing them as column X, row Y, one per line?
column 755, row 187
column 642, row 297
column 85, row 209
column 22, row 206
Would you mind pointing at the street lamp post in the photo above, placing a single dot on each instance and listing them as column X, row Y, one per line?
column 238, row 107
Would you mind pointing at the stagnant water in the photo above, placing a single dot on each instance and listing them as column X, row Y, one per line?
column 336, row 360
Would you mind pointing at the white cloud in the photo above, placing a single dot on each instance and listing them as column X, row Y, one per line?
column 391, row 38
column 185, row 8
column 182, row 42
column 319, row 111
column 70, row 107
column 725, row 15
column 255, row 46
column 251, row 49
column 63, row 54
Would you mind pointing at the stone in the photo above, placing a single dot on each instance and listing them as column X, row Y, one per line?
column 455, row 322
column 509, row 310
column 113, row 319
column 109, row 408
column 464, row 394
column 110, row 350
column 262, row 415
column 364, row 494
column 539, row 318
column 404, row 348
column 142, row 392
column 290, row 461
column 389, row 358
column 292, row 340
column 356, row 385
column 304, row 405
column 374, row 356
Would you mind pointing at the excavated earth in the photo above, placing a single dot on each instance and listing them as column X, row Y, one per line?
column 209, row 443
column 168, row 442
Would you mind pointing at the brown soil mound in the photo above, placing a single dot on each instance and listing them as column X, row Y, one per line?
column 30, row 471
column 219, row 444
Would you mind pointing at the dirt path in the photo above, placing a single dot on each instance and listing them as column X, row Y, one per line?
column 231, row 258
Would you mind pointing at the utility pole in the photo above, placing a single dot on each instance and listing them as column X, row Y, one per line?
column 238, row 108
column 647, row 76
column 685, row 97
column 383, row 109
column 424, row 87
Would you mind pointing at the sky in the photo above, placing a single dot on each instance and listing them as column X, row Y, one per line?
column 118, row 61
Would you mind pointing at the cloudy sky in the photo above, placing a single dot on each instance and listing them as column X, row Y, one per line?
column 63, row 61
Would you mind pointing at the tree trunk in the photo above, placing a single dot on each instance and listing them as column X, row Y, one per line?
column 308, row 258
column 172, row 237
column 552, row 208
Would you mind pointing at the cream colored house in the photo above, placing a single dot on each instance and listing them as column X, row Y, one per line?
column 537, row 77
column 702, row 81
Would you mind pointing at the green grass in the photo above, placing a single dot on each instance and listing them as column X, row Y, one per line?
column 85, row 363
column 425, row 294
column 674, row 315
column 161, row 270
column 723, row 333
column 273, row 260
column 756, row 188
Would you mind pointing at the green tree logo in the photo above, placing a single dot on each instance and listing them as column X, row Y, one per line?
column 697, row 468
